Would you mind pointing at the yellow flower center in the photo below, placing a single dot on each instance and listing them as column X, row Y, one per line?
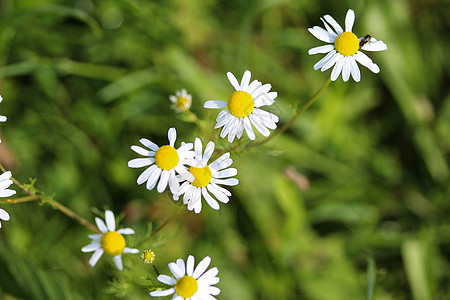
column 167, row 157
column 347, row 43
column 186, row 286
column 202, row 176
column 113, row 243
column 241, row 104
column 148, row 256
column 182, row 104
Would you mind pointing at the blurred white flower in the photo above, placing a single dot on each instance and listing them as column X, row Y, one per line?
column 189, row 283
column 110, row 241
column 343, row 50
column 182, row 101
column 5, row 182
column 163, row 162
column 243, row 109
column 202, row 178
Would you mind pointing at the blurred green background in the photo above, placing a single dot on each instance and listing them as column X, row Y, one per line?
column 352, row 202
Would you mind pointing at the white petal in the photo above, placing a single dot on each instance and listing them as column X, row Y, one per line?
column 101, row 225
column 174, row 185
column 125, row 231
column 198, row 147
column 245, row 80
column 337, row 68
column 374, row 46
column 149, row 144
column 166, row 279
column 233, row 81
column 176, row 271
column 91, row 247
column 321, row 49
column 7, row 193
column 253, row 86
column 248, row 129
column 215, row 104
column 210, row 200
column 218, row 194
column 130, row 250
column 151, row 182
column 6, row 175
column 328, row 28
column 226, row 173
column 206, row 278
column 356, row 74
column 163, row 181
column 366, row 61
column 346, row 68
column 146, row 174
column 263, row 89
column 141, row 151
column 259, row 126
column 209, row 150
column 322, row 34
column 221, row 189
column 172, row 136
column 225, row 120
column 224, row 161
column 333, row 23
column 229, row 181
column 349, row 20
column 202, row 266
column 110, row 222
column 95, row 257
column 180, row 263
column 95, row 237
column 190, row 265
column 140, row 162
column 331, row 61
column 118, row 261
column 162, row 293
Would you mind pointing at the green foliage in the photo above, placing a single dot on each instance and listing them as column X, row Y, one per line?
column 352, row 202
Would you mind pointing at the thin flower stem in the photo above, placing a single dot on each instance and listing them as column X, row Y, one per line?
column 156, row 270
column 160, row 227
column 20, row 200
column 299, row 113
column 55, row 204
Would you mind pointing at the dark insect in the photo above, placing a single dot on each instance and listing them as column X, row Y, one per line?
column 364, row 41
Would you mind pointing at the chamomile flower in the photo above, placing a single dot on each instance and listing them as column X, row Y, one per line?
column 189, row 283
column 148, row 256
column 2, row 118
column 243, row 109
column 202, row 178
column 163, row 162
column 110, row 241
column 343, row 50
column 5, row 182
column 181, row 101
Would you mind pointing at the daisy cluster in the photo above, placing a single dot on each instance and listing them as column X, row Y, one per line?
column 190, row 171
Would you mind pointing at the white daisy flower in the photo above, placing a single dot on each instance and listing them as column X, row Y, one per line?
column 202, row 178
column 5, row 182
column 189, row 283
column 243, row 109
column 2, row 118
column 343, row 52
column 182, row 101
column 110, row 241
column 163, row 162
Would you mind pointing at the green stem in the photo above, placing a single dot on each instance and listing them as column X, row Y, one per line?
column 55, row 204
column 160, row 227
column 299, row 113
column 20, row 200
